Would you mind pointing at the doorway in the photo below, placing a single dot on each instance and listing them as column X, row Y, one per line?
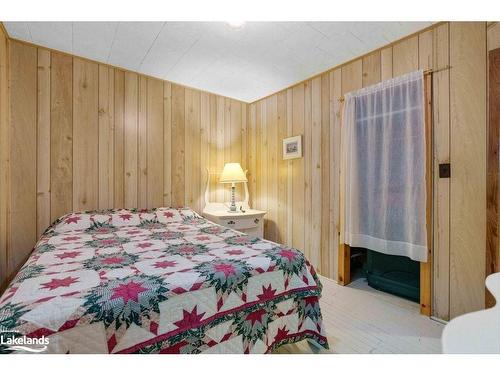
column 425, row 269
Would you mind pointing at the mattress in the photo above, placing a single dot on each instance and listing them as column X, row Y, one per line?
column 159, row 281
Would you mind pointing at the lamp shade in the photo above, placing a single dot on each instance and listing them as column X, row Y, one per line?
column 232, row 173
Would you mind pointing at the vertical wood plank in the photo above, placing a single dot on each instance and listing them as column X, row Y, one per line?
column 282, row 219
column 272, row 162
column 142, row 135
column 192, row 148
column 85, row 135
column 426, row 50
column 130, row 158
column 352, row 77
column 188, row 146
column 351, row 80
column 325, row 248
column 195, row 156
column 316, row 165
column 262, row 154
column 227, row 143
column 204, row 146
column 405, row 56
column 371, row 69
column 119, row 162
column 289, row 163
column 43, row 142
column 167, row 144
column 178, row 146
column 426, row 61
column 386, row 64
column 335, row 93
column 258, row 156
column 4, row 159
column 426, row 268
column 220, row 194
column 213, row 147
column 235, row 141
column 155, row 143
column 23, row 91
column 441, row 204
column 106, row 136
column 244, row 136
column 307, row 151
column 252, row 154
column 298, row 170
column 61, row 135
column 468, row 153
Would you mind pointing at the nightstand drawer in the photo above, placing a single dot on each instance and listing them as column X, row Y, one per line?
column 250, row 221
column 237, row 223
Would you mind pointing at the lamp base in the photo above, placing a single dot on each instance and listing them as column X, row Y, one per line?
column 232, row 207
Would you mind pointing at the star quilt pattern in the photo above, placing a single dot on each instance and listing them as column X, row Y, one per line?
column 161, row 281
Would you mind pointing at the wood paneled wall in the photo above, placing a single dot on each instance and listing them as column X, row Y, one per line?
column 88, row 136
column 302, row 197
column 468, row 57
column 4, row 154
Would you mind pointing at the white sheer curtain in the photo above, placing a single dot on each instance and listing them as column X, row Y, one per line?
column 383, row 165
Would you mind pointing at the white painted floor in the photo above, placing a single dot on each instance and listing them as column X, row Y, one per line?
column 360, row 319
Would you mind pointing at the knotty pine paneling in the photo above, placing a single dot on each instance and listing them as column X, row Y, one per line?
column 43, row 143
column 468, row 157
column 5, row 271
column 441, row 203
column 85, row 136
column 61, row 135
column 154, row 143
column 142, row 145
column 178, row 153
column 23, row 141
column 130, row 139
column 405, row 56
column 106, row 136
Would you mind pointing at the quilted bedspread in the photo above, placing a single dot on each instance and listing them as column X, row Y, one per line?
column 161, row 281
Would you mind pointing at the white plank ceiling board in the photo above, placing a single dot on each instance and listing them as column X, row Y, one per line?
column 60, row 34
column 19, row 30
column 132, row 43
column 246, row 63
column 94, row 39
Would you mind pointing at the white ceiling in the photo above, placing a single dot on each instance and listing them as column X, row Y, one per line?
column 245, row 63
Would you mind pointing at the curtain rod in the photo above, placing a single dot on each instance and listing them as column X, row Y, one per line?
column 426, row 72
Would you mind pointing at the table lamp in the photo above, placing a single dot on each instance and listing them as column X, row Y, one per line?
column 232, row 174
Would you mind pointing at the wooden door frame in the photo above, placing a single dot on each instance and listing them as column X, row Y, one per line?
column 344, row 253
column 492, row 170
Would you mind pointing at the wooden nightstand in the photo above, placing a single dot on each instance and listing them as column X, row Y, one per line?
column 250, row 222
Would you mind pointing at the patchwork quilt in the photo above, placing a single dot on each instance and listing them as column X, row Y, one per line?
column 160, row 281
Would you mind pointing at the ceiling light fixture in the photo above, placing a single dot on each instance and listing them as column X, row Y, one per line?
column 236, row 24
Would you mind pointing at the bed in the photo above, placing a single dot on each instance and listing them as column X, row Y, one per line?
column 160, row 281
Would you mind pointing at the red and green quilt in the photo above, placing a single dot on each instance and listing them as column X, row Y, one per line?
column 161, row 281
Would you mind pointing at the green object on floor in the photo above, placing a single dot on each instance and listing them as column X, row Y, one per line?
column 393, row 274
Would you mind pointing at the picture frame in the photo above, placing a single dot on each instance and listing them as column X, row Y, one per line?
column 292, row 147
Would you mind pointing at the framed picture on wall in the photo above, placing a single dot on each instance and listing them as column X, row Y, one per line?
column 292, row 147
